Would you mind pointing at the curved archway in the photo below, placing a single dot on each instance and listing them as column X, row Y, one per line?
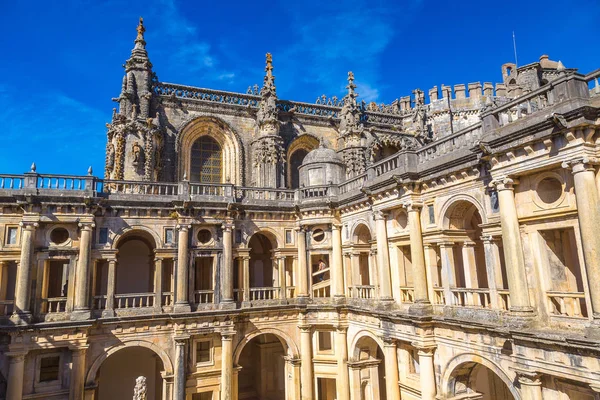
column 137, row 230
column 468, row 281
column 126, row 379
column 226, row 139
column 261, row 263
column 472, row 374
column 362, row 268
column 263, row 367
column 367, row 355
column 296, row 152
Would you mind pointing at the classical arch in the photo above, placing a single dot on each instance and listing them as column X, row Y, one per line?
column 458, row 207
column 286, row 341
column 143, row 232
column 463, row 366
column 269, row 233
column 360, row 335
column 296, row 152
column 361, row 233
column 368, row 355
column 92, row 374
column 224, row 136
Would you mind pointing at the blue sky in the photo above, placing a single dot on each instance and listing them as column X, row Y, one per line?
column 62, row 61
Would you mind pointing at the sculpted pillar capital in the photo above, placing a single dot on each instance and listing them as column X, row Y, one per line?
column 227, row 226
column 29, row 226
column 379, row 215
column 183, row 227
column 529, row 378
column 412, row 206
column 580, row 164
column 86, row 226
column 504, row 183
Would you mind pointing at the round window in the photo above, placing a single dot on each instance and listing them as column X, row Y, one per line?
column 204, row 236
column 318, row 235
column 549, row 190
column 59, row 235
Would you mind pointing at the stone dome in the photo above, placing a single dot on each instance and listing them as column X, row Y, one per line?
column 322, row 154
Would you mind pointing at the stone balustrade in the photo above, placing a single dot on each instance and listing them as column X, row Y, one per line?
column 566, row 304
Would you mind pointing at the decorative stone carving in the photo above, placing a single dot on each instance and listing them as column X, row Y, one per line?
column 269, row 150
column 139, row 391
column 350, row 114
column 266, row 116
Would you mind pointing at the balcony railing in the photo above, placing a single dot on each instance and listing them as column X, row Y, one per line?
column 249, row 193
column 567, row 304
column 264, row 293
column 99, row 302
column 54, row 305
column 362, row 292
column 407, row 294
column 167, row 299
column 504, row 299
column 321, row 289
column 439, row 298
column 238, row 295
column 204, row 296
column 134, row 300
column 135, row 187
column 11, row 182
column 466, row 297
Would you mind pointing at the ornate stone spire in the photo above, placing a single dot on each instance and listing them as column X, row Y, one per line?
column 139, row 55
column 267, row 109
column 350, row 114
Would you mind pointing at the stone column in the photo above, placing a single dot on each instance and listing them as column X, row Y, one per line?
column 588, row 212
column 226, row 365
column 302, row 264
column 246, row 268
column 281, row 271
column 158, row 275
column 392, row 378
column 82, row 275
column 448, row 274
column 3, row 284
column 179, row 376
column 22, row 288
column 306, row 373
column 337, row 267
column 227, row 270
column 383, row 258
column 14, row 389
column 109, row 308
column 492, row 267
column 428, row 387
column 513, row 246
column 417, row 253
column 341, row 351
column 77, row 386
column 181, row 296
column 531, row 385
column 431, row 269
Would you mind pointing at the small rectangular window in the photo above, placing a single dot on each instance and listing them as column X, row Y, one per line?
column 414, row 362
column 203, row 396
column 238, row 236
column 103, row 236
column 325, row 341
column 203, row 351
column 169, row 236
column 11, row 235
column 49, row 368
column 431, row 214
column 289, row 238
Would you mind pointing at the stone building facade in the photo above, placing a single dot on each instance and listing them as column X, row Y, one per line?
column 241, row 246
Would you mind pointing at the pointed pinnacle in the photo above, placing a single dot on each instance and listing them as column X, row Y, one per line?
column 140, row 29
column 33, row 167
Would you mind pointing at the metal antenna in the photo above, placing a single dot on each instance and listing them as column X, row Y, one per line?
column 515, row 48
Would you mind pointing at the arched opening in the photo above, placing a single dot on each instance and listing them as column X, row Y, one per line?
column 362, row 264
column 469, row 277
column 263, row 369
column 206, row 161
column 384, row 151
column 295, row 162
column 296, row 152
column 262, row 274
column 369, row 366
column 118, row 374
column 474, row 380
column 135, row 274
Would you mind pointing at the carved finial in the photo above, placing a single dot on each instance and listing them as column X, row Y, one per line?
column 267, row 109
column 90, row 171
column 321, row 142
column 185, row 176
column 140, row 30
column 33, row 167
column 560, row 66
column 351, row 86
column 269, row 81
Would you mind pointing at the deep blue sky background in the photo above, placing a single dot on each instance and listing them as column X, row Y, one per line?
column 62, row 61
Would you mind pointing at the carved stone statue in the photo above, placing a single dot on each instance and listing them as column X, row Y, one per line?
column 110, row 157
column 139, row 391
column 137, row 152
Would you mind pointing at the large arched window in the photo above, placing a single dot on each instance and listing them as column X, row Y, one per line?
column 206, row 161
